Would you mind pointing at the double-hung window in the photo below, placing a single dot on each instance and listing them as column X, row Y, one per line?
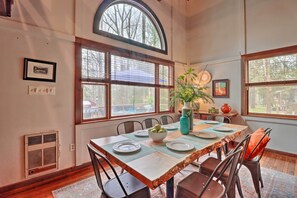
column 113, row 82
column 270, row 83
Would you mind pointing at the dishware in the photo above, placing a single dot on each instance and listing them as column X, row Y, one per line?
column 223, row 129
column 141, row 133
column 179, row 146
column 211, row 122
column 170, row 127
column 126, row 147
column 205, row 135
column 157, row 137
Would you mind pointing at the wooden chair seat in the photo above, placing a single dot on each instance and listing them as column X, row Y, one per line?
column 189, row 187
column 133, row 187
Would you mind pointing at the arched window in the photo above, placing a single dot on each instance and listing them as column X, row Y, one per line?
column 130, row 21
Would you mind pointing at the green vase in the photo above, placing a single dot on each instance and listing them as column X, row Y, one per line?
column 184, row 125
column 187, row 111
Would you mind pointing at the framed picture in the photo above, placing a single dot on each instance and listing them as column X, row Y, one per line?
column 39, row 70
column 220, row 88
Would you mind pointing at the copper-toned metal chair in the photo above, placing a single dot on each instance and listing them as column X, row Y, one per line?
column 150, row 122
column 166, row 119
column 129, row 127
column 200, row 185
column 123, row 185
column 223, row 119
column 254, row 164
column 207, row 167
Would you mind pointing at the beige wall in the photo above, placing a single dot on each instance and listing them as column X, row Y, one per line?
column 46, row 30
column 216, row 38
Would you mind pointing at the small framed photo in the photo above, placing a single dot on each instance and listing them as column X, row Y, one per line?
column 39, row 70
column 220, row 88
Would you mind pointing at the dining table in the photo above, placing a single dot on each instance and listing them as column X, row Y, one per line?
column 156, row 163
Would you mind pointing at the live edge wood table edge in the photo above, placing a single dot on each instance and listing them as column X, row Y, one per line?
column 160, row 166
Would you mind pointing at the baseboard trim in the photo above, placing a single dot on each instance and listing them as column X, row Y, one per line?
column 41, row 180
column 282, row 153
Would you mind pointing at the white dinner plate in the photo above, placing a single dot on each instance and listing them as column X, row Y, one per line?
column 170, row 127
column 126, row 147
column 142, row 133
column 179, row 146
column 205, row 135
column 223, row 129
column 211, row 122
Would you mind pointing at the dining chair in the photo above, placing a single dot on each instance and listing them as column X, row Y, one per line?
column 207, row 167
column 222, row 119
column 198, row 184
column 253, row 164
column 150, row 122
column 129, row 127
column 166, row 119
column 123, row 185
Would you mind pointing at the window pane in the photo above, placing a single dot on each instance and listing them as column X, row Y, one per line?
column 279, row 68
column 164, row 99
column 165, row 75
column 127, row 21
column 127, row 100
column 129, row 70
column 93, row 64
column 273, row 100
column 94, row 101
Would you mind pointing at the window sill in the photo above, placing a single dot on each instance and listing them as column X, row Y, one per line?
column 271, row 120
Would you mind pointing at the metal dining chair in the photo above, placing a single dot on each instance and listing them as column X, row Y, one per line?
column 200, row 185
column 123, row 185
column 222, row 119
column 150, row 122
column 254, row 164
column 207, row 167
column 129, row 127
column 166, row 119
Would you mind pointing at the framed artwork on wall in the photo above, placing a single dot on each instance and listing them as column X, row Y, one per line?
column 39, row 70
column 220, row 88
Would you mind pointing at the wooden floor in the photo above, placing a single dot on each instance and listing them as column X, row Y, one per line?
column 270, row 160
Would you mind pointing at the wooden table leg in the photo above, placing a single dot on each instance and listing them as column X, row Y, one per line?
column 170, row 188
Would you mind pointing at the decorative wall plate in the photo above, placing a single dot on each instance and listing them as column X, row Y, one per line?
column 204, row 77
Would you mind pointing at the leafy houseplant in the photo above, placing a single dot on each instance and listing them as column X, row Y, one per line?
column 187, row 92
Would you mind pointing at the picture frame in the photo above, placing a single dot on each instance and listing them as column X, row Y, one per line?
column 220, row 88
column 39, row 70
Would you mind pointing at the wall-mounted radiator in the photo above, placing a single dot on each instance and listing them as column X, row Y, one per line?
column 41, row 153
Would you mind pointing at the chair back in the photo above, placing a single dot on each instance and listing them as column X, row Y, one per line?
column 150, row 122
column 244, row 145
column 266, row 134
column 166, row 119
column 224, row 119
column 229, row 163
column 97, row 159
column 129, row 127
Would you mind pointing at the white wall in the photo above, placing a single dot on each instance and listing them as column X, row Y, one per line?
column 216, row 37
column 46, row 30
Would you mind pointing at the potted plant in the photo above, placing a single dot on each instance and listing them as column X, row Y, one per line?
column 187, row 92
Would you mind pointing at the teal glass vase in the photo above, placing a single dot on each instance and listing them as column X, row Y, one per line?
column 184, row 125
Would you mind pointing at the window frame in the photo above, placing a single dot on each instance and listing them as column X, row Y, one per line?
column 81, row 43
column 245, row 84
column 145, row 9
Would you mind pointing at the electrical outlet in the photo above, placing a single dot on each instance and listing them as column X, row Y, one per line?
column 72, row 147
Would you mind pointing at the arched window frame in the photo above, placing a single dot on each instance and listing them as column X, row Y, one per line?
column 146, row 10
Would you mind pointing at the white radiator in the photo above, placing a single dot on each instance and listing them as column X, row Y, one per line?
column 41, row 153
